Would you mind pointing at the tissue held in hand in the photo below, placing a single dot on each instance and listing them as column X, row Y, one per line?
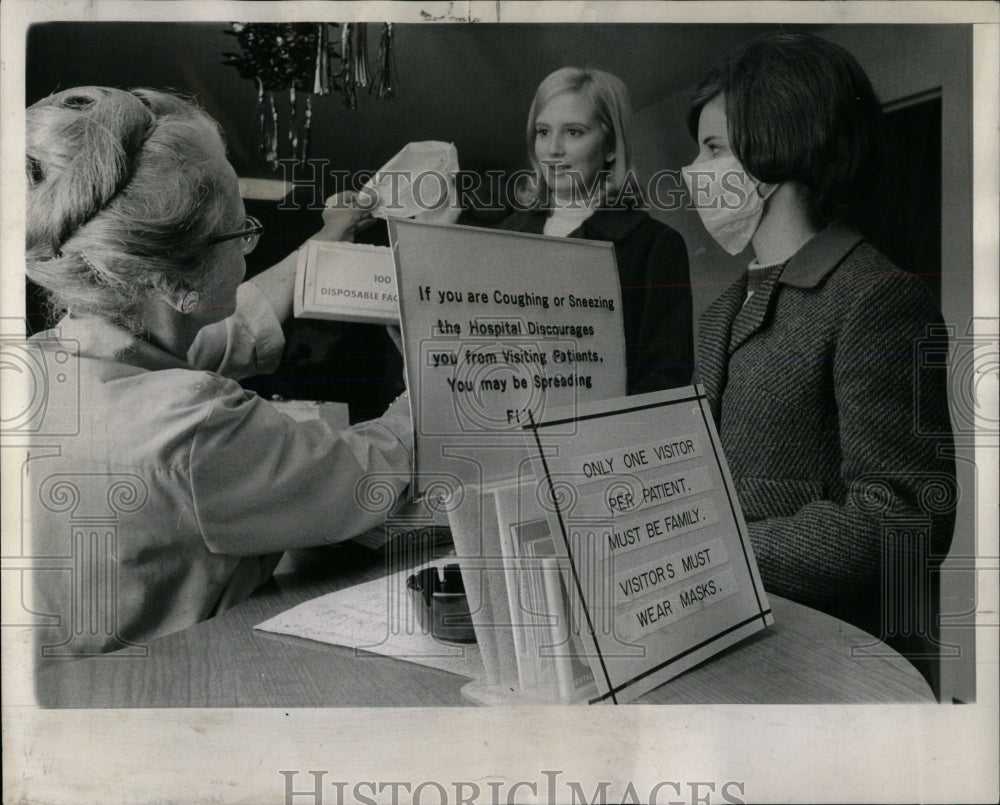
column 418, row 182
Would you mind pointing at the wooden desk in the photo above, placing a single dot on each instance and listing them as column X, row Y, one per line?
column 805, row 658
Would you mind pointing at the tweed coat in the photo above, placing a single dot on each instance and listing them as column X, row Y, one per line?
column 656, row 291
column 837, row 437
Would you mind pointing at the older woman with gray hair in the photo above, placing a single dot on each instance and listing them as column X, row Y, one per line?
column 137, row 231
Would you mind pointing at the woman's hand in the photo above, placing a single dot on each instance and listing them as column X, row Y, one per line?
column 341, row 216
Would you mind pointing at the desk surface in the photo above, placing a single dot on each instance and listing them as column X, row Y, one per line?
column 804, row 658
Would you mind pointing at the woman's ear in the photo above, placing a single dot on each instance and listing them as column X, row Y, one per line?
column 609, row 145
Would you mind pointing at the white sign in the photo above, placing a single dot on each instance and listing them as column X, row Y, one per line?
column 497, row 325
column 656, row 557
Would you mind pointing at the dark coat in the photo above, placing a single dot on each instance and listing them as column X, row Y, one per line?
column 832, row 408
column 656, row 291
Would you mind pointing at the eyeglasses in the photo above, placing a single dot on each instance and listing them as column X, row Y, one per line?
column 249, row 235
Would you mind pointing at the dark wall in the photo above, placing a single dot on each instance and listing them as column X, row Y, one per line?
column 467, row 84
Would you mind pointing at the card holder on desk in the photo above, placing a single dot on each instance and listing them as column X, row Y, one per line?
column 550, row 655
column 621, row 545
column 477, row 544
column 532, row 653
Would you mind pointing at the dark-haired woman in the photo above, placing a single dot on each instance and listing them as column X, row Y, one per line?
column 170, row 488
column 578, row 134
column 809, row 360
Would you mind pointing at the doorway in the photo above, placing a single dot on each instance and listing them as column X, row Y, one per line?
column 903, row 216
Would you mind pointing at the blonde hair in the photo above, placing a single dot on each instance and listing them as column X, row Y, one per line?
column 609, row 99
column 124, row 194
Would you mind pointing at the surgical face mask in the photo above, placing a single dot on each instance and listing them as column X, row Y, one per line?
column 727, row 200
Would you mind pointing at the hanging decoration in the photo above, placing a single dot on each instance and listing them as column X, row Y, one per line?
column 347, row 72
column 300, row 58
column 385, row 78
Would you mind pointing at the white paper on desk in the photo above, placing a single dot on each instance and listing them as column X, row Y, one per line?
column 377, row 617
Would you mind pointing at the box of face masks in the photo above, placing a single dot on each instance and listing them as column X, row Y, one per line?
column 346, row 282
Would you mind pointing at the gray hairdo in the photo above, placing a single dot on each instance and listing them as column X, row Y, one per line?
column 124, row 195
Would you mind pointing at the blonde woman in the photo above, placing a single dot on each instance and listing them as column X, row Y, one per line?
column 578, row 134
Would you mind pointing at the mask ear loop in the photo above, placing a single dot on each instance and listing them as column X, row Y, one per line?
column 771, row 190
